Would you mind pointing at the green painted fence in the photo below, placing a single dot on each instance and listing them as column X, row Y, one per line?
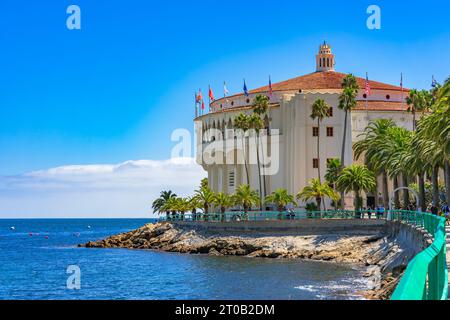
column 426, row 276
column 273, row 215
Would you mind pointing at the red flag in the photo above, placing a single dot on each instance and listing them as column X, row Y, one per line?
column 367, row 89
column 203, row 104
column 211, row 95
column 199, row 96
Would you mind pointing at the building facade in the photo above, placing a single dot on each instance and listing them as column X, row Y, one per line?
column 289, row 113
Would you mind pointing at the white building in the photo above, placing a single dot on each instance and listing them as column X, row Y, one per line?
column 290, row 110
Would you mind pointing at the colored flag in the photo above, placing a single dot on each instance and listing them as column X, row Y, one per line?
column 270, row 87
column 199, row 96
column 434, row 83
column 401, row 80
column 367, row 88
column 211, row 95
column 245, row 89
column 225, row 90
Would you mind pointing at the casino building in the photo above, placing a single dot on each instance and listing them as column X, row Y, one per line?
column 290, row 109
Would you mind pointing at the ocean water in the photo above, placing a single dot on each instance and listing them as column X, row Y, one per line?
column 35, row 256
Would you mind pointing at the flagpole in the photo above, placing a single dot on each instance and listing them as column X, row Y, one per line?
column 196, row 104
column 401, row 86
column 367, row 96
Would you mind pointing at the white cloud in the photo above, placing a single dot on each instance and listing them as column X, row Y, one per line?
column 98, row 190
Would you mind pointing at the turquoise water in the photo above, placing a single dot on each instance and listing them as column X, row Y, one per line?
column 34, row 258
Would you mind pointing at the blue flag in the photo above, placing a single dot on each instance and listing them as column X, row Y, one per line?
column 434, row 83
column 245, row 89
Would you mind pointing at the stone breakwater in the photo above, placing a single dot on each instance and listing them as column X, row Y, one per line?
column 383, row 256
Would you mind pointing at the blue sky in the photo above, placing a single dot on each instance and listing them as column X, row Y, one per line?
column 116, row 89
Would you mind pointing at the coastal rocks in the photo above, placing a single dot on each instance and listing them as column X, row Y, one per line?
column 166, row 237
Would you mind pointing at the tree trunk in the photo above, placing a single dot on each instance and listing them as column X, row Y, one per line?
column 206, row 209
column 385, row 191
column 447, row 181
column 435, row 182
column 318, row 150
column 245, row 160
column 421, row 203
column 343, row 155
column 259, row 171
column 319, row 203
column 376, row 192
column 405, row 192
column 343, row 140
column 264, row 169
column 396, row 196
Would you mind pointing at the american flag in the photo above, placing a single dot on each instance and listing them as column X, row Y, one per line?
column 367, row 88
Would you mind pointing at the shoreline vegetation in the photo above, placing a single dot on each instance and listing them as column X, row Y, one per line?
column 380, row 256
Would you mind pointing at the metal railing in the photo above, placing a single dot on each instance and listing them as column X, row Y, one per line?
column 274, row 215
column 426, row 276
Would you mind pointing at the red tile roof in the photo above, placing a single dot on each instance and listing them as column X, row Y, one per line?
column 381, row 106
column 323, row 80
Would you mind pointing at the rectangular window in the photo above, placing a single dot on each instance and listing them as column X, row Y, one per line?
column 330, row 112
column 330, row 131
column 315, row 163
column 231, row 179
column 315, row 131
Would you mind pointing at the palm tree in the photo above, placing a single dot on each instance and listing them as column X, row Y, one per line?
column 170, row 206
column 205, row 197
column 159, row 203
column 370, row 145
column 418, row 101
column 347, row 101
column 204, row 183
column 223, row 201
column 260, row 107
column 397, row 146
column 194, row 204
column 261, row 104
column 320, row 110
column 242, row 122
column 332, row 174
column 356, row 178
column 280, row 198
column 246, row 197
column 256, row 123
column 316, row 190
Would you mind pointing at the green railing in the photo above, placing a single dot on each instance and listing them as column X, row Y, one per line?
column 426, row 277
column 274, row 216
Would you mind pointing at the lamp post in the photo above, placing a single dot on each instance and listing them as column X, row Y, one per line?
column 391, row 200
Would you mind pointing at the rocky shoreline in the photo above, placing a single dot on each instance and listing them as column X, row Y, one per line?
column 382, row 257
